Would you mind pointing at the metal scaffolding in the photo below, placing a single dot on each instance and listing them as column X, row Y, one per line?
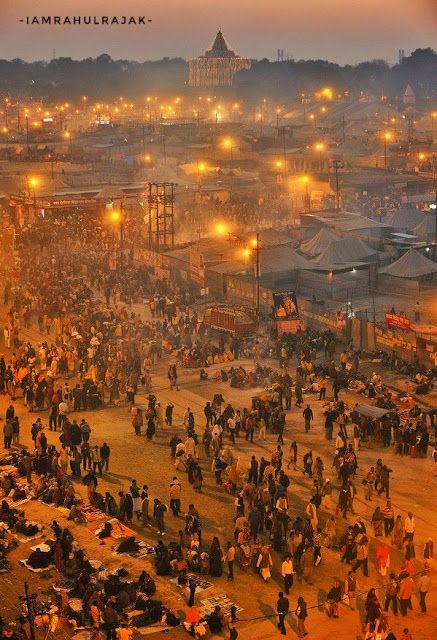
column 160, row 202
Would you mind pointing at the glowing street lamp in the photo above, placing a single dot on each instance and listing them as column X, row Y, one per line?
column 228, row 144
column 327, row 93
column 221, row 229
column 67, row 136
column 306, row 181
column 387, row 138
column 320, row 147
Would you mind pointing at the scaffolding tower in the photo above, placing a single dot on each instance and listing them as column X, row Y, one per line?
column 160, row 202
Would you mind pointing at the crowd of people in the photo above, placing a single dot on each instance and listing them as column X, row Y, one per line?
column 95, row 351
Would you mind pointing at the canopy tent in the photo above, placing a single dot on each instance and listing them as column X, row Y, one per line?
column 411, row 265
column 280, row 259
column 345, row 251
column 318, row 243
column 370, row 411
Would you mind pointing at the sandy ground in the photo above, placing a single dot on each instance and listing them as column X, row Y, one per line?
column 413, row 488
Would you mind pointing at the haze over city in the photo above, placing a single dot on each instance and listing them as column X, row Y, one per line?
column 342, row 32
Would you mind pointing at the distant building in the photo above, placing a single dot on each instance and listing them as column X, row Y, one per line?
column 217, row 67
column 409, row 97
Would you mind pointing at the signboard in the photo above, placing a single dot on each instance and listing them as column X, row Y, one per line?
column 341, row 319
column 286, row 312
column 285, row 305
column 400, row 322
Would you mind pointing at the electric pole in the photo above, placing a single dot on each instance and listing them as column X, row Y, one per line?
column 336, row 165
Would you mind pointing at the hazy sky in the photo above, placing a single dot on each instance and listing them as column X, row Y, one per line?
column 338, row 30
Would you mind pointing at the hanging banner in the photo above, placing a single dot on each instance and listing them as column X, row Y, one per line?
column 286, row 312
column 400, row 322
column 285, row 305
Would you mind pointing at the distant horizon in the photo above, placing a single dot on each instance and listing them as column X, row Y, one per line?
column 186, row 59
column 342, row 32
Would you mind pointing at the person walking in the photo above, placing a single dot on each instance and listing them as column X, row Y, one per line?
column 308, row 417
column 409, row 527
column 229, row 557
column 362, row 555
column 175, row 496
column 287, row 571
column 423, row 585
column 8, row 431
column 301, row 612
column 389, row 518
column 282, row 608
column 406, row 589
column 391, row 594
column 105, row 452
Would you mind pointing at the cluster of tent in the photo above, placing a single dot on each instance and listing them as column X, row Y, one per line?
column 326, row 250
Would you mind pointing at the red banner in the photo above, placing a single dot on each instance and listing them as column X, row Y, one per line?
column 400, row 322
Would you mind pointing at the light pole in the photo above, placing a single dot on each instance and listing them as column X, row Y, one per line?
column 117, row 216
column 257, row 273
column 433, row 117
column 387, row 138
column 320, row 147
column 336, row 165
column 32, row 183
column 67, row 136
column 306, row 180
column 201, row 168
column 27, row 134
column 228, row 144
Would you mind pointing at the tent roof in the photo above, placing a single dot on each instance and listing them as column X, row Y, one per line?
column 344, row 251
column 411, row 265
column 318, row 243
column 370, row 411
column 280, row 259
column 405, row 218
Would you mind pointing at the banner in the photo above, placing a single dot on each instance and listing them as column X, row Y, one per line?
column 400, row 322
column 285, row 305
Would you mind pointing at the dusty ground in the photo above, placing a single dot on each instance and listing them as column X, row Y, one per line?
column 413, row 487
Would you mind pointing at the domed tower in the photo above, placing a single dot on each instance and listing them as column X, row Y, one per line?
column 218, row 65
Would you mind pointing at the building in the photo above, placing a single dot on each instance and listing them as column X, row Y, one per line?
column 217, row 67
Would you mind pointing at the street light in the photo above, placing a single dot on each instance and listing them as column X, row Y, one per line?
column 221, row 229
column 306, row 181
column 319, row 147
column 228, row 144
column 387, row 138
column 247, row 252
column 67, row 136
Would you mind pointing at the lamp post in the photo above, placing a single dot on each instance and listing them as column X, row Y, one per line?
column 433, row 117
column 320, row 147
column 387, row 138
column 117, row 216
column 27, row 134
column 255, row 247
column 201, row 168
column 32, row 183
column 257, row 273
column 68, row 136
column 336, row 165
column 306, row 180
column 228, row 143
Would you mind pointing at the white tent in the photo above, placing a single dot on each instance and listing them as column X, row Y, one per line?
column 411, row 265
column 318, row 243
column 345, row 251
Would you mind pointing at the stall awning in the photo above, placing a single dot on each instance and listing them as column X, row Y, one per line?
column 370, row 411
